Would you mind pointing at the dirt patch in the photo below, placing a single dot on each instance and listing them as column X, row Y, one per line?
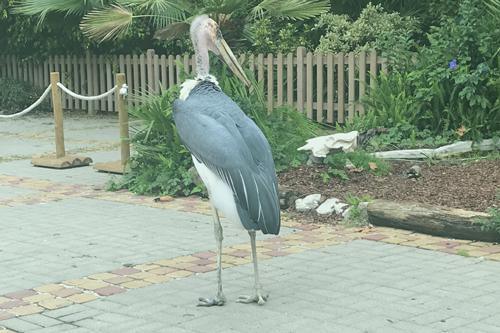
column 470, row 185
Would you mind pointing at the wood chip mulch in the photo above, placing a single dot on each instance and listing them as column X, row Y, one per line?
column 470, row 185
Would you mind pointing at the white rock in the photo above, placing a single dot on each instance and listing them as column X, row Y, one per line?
column 321, row 145
column 309, row 202
column 332, row 205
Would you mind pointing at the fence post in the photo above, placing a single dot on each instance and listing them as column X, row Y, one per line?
column 61, row 160
column 123, row 118
column 58, row 114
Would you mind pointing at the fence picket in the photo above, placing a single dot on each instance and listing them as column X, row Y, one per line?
column 351, row 89
column 309, row 85
column 340, row 88
column 279, row 79
column 319, row 88
column 362, row 79
column 300, row 78
column 270, row 82
column 330, row 69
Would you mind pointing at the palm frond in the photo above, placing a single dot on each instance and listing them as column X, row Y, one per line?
column 493, row 7
column 162, row 12
column 291, row 9
column 106, row 23
column 41, row 7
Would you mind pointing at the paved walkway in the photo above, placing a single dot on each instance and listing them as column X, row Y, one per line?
column 75, row 258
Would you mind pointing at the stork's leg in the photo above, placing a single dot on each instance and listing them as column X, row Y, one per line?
column 259, row 297
column 219, row 299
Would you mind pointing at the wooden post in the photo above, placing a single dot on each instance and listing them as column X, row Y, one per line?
column 58, row 114
column 121, row 105
column 60, row 160
column 123, row 118
column 300, row 78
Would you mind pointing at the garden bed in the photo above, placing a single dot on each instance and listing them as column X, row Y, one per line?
column 470, row 185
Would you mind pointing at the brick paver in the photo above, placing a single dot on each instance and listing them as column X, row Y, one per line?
column 75, row 258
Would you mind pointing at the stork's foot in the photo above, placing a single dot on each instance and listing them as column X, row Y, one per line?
column 218, row 300
column 258, row 298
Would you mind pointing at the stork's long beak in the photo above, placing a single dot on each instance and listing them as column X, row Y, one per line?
column 230, row 60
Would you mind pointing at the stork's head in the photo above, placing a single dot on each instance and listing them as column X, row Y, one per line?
column 206, row 35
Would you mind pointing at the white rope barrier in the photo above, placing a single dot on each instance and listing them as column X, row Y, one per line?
column 29, row 108
column 86, row 98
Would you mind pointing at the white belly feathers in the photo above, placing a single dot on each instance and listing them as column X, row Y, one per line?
column 219, row 192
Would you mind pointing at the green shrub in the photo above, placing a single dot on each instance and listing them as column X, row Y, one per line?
column 451, row 84
column 374, row 29
column 16, row 95
column 160, row 163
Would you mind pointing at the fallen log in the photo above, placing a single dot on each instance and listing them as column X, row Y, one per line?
column 456, row 148
column 430, row 219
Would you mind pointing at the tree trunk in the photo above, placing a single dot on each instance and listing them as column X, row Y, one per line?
column 429, row 219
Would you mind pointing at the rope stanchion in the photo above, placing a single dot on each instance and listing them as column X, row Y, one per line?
column 119, row 166
column 60, row 160
column 29, row 108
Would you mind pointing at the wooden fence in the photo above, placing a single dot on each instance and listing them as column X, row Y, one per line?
column 327, row 87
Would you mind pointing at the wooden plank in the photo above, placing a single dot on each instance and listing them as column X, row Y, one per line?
column 251, row 64
column 351, row 89
column 135, row 66
column 142, row 70
column 185, row 63
column 289, row 79
column 193, row 65
column 270, row 82
column 362, row 80
column 330, row 69
column 102, row 83
column 164, row 75
column 109, row 85
column 8, row 66
column 70, row 74
column 340, row 88
column 46, row 78
column 14, row 68
column 260, row 68
column 129, row 76
column 35, row 74
column 90, row 79
column 95, row 83
column 373, row 68
column 300, row 78
column 76, row 81
column 279, row 79
column 64, row 74
column 156, row 70
column 309, row 85
column 178, row 61
column 81, row 81
column 150, row 77
column 171, row 72
column 25, row 72
column 319, row 87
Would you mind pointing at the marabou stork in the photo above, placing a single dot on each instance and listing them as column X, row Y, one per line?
column 230, row 153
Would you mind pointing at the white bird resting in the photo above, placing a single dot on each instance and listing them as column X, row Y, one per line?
column 321, row 145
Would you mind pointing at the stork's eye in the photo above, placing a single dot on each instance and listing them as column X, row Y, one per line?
column 219, row 34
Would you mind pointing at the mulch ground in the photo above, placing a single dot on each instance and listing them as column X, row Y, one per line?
column 471, row 185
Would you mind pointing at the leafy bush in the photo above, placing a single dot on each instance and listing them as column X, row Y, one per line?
column 160, row 164
column 451, row 84
column 374, row 29
column 273, row 36
column 16, row 95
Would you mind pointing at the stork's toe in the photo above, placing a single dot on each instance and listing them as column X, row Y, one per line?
column 259, row 299
column 216, row 301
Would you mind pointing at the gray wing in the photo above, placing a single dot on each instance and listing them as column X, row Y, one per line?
column 219, row 135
